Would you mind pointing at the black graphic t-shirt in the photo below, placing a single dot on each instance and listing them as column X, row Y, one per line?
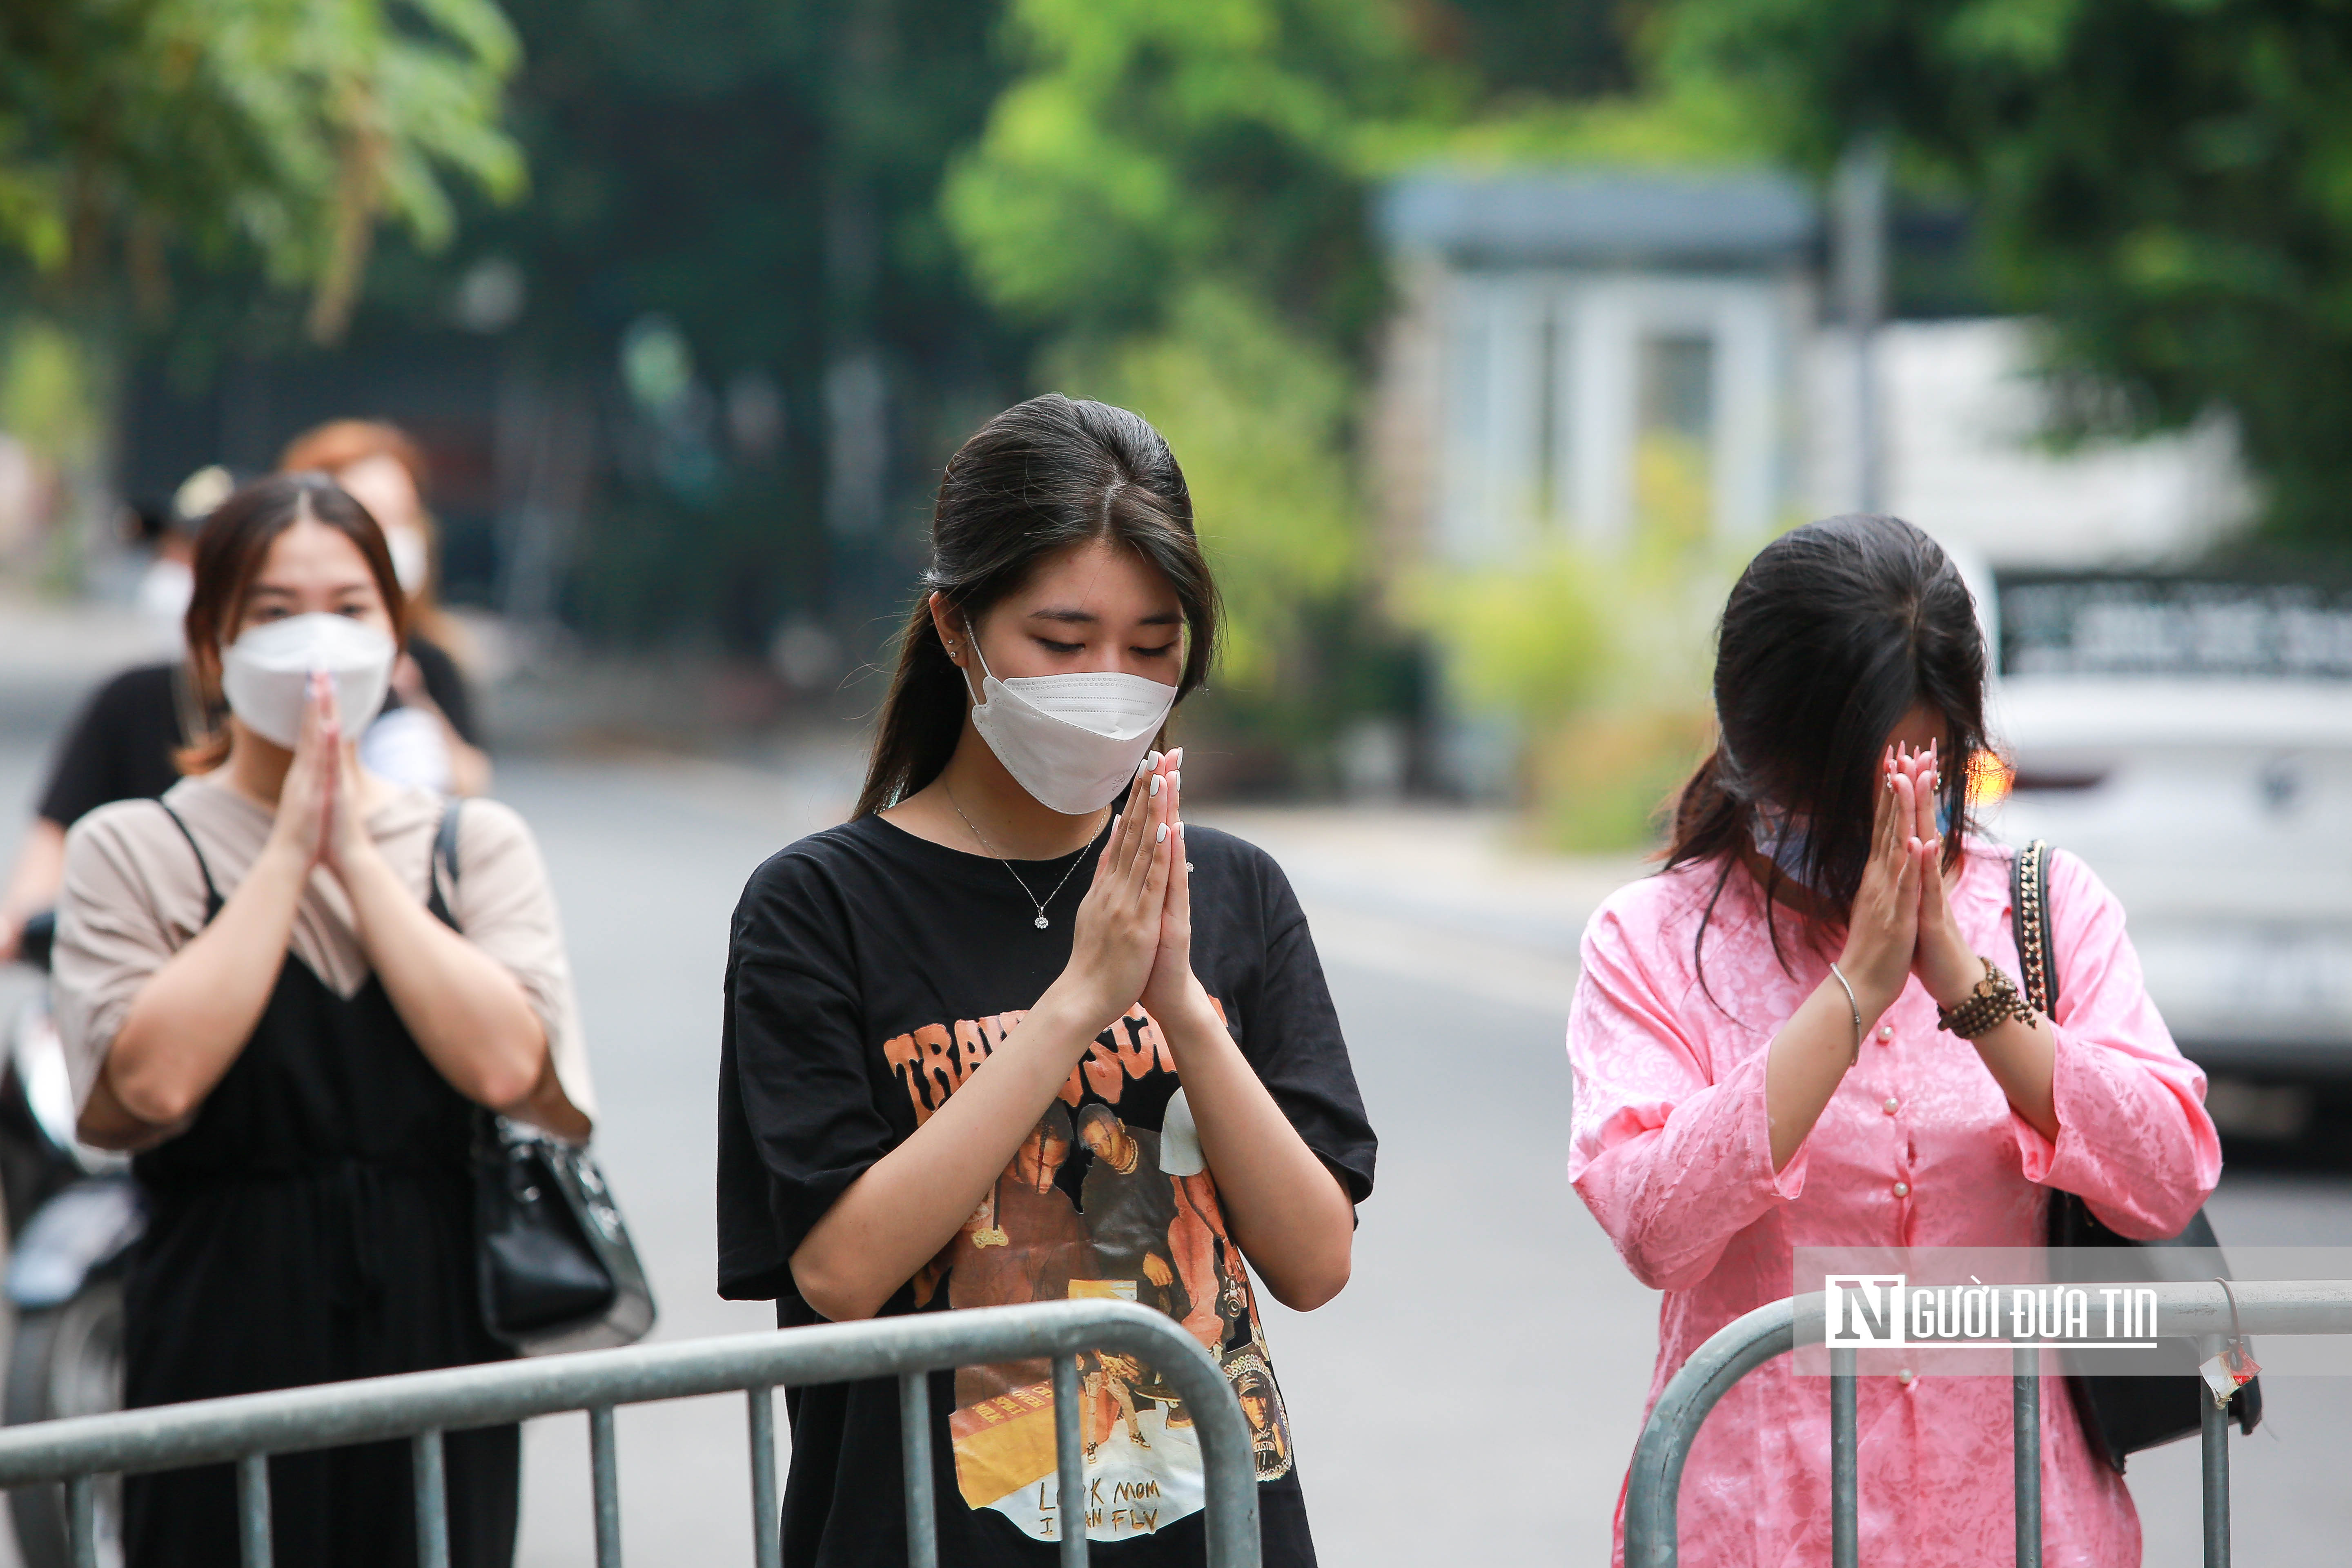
column 870, row 972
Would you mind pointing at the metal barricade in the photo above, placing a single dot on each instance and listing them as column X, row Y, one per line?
column 2200, row 1310
column 248, row 1428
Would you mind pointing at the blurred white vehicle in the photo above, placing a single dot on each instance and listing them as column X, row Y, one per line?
column 2192, row 742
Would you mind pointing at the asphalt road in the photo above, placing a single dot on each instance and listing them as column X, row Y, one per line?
column 1474, row 1395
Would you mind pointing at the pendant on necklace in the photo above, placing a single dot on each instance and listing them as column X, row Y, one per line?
column 1042, row 923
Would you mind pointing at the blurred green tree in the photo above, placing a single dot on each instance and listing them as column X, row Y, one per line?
column 731, row 284
column 758, row 182
column 846, row 231
column 1144, row 145
column 1175, row 198
column 275, row 130
column 1259, row 418
column 1515, row 55
column 2169, row 182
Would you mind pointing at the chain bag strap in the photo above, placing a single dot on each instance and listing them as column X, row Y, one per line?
column 2121, row 1415
column 553, row 1261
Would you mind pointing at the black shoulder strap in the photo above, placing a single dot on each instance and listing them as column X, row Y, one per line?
column 444, row 864
column 212, row 891
column 2029, row 905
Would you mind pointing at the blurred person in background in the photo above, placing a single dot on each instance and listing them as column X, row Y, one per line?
column 122, row 743
column 161, row 594
column 1806, row 1031
column 170, row 537
column 430, row 739
column 1015, row 922
column 256, row 998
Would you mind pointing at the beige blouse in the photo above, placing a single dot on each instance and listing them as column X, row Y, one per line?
column 134, row 895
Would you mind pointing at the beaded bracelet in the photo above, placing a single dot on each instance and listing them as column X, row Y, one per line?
column 1994, row 999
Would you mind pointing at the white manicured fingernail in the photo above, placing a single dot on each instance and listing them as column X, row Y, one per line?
column 1162, row 836
column 1155, row 783
column 1143, row 767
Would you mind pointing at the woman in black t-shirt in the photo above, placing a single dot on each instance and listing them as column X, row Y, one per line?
column 1012, row 1033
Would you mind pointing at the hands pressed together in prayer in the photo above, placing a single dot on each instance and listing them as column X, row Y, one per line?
column 1901, row 922
column 1900, row 926
column 1133, row 941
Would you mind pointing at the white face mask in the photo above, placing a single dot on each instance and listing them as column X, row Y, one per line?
column 164, row 590
column 412, row 560
column 265, row 673
column 1072, row 741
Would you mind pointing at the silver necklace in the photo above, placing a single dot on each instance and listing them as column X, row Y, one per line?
column 1041, row 922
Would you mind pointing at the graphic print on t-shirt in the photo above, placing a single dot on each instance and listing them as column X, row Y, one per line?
column 1108, row 1196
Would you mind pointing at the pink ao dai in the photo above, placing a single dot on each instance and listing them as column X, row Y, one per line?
column 1918, row 1148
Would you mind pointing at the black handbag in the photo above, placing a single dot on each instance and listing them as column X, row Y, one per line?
column 2120, row 1414
column 554, row 1264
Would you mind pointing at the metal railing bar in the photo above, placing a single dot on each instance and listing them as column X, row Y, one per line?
column 915, row 1467
column 81, row 1521
column 2025, row 1442
column 767, row 1519
column 427, row 1460
column 326, row 1416
column 1653, row 1486
column 2268, row 1307
column 1656, row 1484
column 2214, row 1432
column 1845, row 1528
column 1069, row 1462
column 329, row 1415
column 253, row 1511
column 604, row 1477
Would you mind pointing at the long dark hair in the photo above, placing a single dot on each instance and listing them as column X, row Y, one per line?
column 231, row 547
column 1834, row 631
column 1040, row 477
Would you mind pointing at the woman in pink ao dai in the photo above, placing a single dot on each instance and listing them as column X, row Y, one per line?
column 1726, row 1113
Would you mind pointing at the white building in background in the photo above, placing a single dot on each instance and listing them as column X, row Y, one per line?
column 1584, row 357
column 1549, row 325
column 1965, row 455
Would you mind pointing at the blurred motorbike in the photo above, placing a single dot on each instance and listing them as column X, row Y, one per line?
column 73, row 1214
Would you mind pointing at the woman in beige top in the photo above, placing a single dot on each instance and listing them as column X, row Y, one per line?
column 257, row 1001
